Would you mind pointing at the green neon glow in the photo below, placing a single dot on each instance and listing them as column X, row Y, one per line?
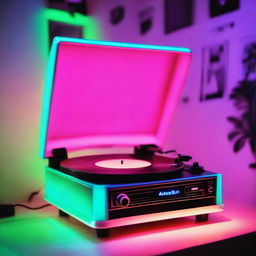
column 47, row 99
column 83, row 200
column 90, row 31
column 90, row 27
column 100, row 203
column 219, row 189
column 28, row 234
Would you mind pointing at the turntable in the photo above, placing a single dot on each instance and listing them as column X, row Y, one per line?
column 101, row 94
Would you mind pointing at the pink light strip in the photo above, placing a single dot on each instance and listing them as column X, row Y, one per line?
column 157, row 216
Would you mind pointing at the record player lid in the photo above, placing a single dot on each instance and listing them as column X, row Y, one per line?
column 100, row 93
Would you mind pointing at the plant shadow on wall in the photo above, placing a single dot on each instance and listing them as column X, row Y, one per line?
column 244, row 98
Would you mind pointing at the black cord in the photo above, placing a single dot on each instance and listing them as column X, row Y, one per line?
column 32, row 208
column 33, row 194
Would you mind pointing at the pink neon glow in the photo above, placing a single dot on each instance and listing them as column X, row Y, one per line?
column 161, row 237
column 105, row 95
column 158, row 216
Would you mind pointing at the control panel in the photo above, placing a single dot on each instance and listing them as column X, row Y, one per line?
column 167, row 195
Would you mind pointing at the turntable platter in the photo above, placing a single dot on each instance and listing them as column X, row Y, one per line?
column 120, row 168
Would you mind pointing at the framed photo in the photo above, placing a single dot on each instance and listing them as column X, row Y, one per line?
column 214, row 71
column 178, row 14
column 220, row 7
column 64, row 29
column 79, row 6
column 62, row 23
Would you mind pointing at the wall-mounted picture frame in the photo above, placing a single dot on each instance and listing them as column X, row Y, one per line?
column 177, row 14
column 64, row 29
column 220, row 7
column 72, row 6
column 62, row 23
column 214, row 71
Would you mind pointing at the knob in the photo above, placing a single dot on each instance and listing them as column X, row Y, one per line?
column 196, row 168
column 122, row 200
column 210, row 189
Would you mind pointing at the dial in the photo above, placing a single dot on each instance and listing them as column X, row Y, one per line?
column 122, row 200
column 210, row 189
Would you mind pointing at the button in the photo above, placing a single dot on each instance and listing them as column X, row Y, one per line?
column 122, row 200
column 210, row 189
column 196, row 168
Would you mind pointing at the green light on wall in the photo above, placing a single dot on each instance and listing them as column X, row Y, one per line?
column 90, row 27
column 90, row 31
column 47, row 99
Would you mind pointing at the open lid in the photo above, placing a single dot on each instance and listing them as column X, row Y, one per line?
column 100, row 93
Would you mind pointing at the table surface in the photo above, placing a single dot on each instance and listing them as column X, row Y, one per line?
column 44, row 233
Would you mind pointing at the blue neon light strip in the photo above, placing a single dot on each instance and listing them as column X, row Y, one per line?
column 119, row 44
column 160, row 182
column 47, row 98
column 219, row 189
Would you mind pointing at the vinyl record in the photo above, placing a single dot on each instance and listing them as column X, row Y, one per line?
column 92, row 168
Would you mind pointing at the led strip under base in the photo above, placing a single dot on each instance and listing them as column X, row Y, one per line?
column 157, row 216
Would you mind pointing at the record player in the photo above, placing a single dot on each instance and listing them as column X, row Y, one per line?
column 100, row 94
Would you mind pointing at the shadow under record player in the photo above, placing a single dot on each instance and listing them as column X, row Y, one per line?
column 101, row 94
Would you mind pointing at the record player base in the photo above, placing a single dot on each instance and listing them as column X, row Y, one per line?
column 104, row 232
column 87, row 202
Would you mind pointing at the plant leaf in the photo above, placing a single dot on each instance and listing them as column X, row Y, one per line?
column 252, row 165
column 233, row 134
column 239, row 144
column 237, row 122
column 253, row 146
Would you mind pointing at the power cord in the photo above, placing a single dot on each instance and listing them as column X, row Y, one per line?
column 32, row 208
column 8, row 210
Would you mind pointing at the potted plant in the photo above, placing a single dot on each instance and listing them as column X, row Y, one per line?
column 244, row 98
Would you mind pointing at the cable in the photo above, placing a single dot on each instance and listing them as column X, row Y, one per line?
column 32, row 208
column 8, row 210
column 33, row 194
